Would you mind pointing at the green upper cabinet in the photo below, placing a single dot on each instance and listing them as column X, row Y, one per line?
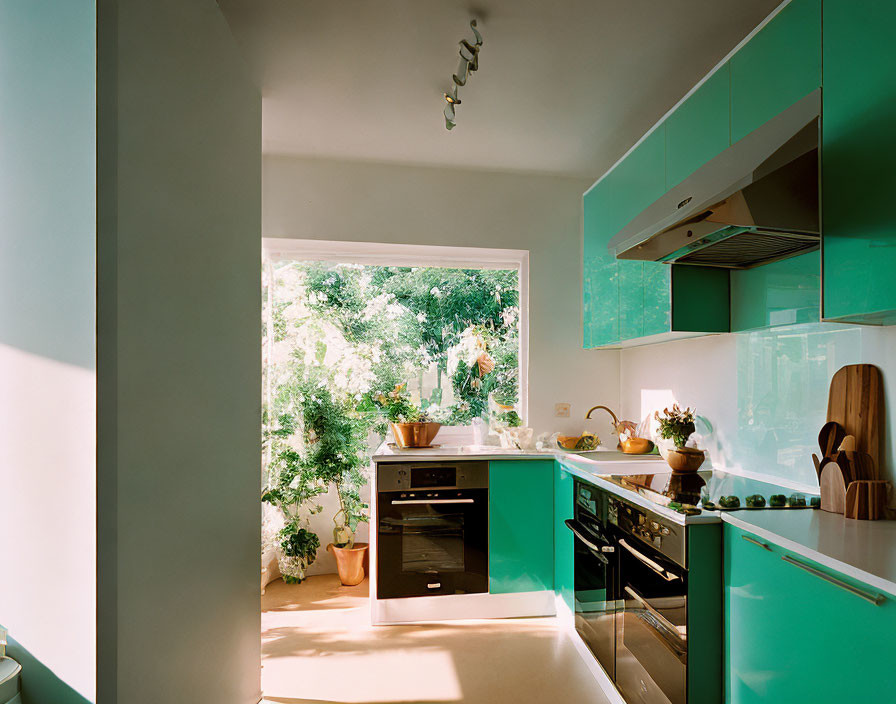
column 858, row 148
column 777, row 67
column 700, row 128
column 521, row 526
column 628, row 302
column 783, row 623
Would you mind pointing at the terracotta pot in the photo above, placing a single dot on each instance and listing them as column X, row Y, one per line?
column 350, row 563
column 415, row 434
column 685, row 459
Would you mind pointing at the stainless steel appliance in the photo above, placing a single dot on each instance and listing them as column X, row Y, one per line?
column 432, row 528
column 755, row 203
column 648, row 593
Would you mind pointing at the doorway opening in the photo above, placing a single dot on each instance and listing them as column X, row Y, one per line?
column 355, row 335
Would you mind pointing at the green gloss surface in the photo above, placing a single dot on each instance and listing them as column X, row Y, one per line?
column 777, row 67
column 858, row 147
column 563, row 540
column 521, row 526
column 700, row 128
column 782, row 293
column 790, row 636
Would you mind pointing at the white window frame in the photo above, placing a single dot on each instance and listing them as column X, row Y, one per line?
column 420, row 255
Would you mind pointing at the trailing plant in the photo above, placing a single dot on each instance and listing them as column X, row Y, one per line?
column 676, row 424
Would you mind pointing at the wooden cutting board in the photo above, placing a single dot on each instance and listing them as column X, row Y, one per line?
column 865, row 500
column 855, row 401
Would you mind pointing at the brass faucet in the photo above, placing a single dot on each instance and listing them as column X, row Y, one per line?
column 591, row 410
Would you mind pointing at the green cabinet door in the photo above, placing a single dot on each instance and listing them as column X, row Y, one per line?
column 785, row 630
column 700, row 128
column 563, row 541
column 600, row 282
column 777, row 67
column 521, row 526
column 613, row 291
column 858, row 148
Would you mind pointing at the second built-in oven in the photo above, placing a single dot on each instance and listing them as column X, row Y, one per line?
column 432, row 528
column 652, row 610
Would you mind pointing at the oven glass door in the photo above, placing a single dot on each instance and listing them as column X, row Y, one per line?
column 651, row 662
column 594, row 575
column 432, row 543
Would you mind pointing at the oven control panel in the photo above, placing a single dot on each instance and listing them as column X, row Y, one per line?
column 408, row 476
column 663, row 535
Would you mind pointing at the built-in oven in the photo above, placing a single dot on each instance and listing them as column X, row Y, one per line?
column 432, row 528
column 651, row 618
column 594, row 567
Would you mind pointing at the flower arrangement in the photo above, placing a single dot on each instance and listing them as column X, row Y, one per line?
column 676, row 424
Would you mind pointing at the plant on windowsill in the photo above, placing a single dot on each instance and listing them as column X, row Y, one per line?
column 677, row 425
column 411, row 426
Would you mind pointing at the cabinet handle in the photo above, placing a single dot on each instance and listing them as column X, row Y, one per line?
column 876, row 599
column 764, row 546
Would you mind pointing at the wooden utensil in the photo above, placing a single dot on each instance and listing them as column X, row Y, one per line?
column 829, row 438
column 856, row 466
column 866, row 500
column 817, row 463
column 833, row 487
column 854, row 402
column 848, row 444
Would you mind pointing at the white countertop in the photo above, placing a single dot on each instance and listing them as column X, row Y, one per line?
column 865, row 550
column 595, row 459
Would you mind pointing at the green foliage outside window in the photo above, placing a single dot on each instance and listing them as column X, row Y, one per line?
column 339, row 339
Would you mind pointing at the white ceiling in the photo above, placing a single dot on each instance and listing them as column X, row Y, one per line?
column 563, row 87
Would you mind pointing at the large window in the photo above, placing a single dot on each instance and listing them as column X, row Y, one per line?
column 447, row 336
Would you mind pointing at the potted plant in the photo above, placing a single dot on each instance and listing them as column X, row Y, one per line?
column 335, row 437
column 678, row 425
column 293, row 488
column 411, row 426
column 298, row 549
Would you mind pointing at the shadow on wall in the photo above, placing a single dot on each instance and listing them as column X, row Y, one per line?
column 39, row 684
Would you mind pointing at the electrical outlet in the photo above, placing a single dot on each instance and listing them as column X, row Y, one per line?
column 561, row 410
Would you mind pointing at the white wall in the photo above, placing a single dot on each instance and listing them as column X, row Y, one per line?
column 765, row 393
column 364, row 202
column 47, row 347
column 179, row 359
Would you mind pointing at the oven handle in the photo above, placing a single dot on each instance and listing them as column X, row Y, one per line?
column 598, row 552
column 434, row 501
column 666, row 623
column 655, row 566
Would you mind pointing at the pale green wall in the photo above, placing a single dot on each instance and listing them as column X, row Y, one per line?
column 179, row 357
column 47, row 344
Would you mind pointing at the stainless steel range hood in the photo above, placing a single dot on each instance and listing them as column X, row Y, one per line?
column 755, row 203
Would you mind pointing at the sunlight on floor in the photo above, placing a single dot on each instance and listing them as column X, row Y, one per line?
column 318, row 647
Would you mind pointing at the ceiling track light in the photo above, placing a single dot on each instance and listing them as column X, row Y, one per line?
column 469, row 62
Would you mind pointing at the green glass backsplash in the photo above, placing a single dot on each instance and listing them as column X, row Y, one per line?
column 783, row 377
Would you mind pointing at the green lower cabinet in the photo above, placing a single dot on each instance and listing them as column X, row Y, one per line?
column 521, row 530
column 563, row 541
column 858, row 146
column 793, row 636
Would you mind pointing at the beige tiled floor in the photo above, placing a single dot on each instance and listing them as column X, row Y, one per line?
column 318, row 647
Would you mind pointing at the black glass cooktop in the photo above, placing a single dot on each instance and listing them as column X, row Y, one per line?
column 712, row 490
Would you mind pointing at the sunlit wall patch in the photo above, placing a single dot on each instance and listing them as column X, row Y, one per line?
column 469, row 62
